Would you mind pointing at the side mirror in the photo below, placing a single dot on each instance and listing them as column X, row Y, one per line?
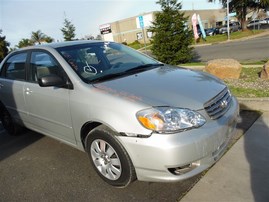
column 53, row 80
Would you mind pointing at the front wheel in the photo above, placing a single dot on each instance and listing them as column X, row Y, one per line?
column 8, row 123
column 109, row 158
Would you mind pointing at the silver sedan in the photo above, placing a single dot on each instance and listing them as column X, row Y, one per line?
column 137, row 118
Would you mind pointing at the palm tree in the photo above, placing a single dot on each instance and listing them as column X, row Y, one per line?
column 48, row 39
column 24, row 43
column 38, row 37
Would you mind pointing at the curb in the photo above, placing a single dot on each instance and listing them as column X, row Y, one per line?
column 256, row 104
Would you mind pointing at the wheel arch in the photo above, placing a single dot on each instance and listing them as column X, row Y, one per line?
column 86, row 128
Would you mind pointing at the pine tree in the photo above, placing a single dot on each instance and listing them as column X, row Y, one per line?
column 68, row 30
column 171, row 37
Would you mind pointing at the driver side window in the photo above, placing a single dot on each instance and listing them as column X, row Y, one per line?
column 43, row 64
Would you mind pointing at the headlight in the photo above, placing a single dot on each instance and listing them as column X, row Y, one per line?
column 169, row 120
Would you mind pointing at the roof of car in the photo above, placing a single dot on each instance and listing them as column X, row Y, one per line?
column 61, row 44
column 47, row 46
column 69, row 43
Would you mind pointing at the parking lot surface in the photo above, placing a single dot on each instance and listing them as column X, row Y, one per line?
column 35, row 167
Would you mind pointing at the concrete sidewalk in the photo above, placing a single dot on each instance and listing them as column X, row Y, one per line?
column 242, row 174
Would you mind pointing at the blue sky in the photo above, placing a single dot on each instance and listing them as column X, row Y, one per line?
column 18, row 18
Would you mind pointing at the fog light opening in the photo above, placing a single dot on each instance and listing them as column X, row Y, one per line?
column 184, row 169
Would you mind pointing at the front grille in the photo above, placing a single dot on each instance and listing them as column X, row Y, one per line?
column 219, row 105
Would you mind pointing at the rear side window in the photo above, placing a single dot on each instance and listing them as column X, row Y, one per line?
column 15, row 67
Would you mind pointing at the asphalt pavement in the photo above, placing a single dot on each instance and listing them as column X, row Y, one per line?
column 252, row 50
column 34, row 167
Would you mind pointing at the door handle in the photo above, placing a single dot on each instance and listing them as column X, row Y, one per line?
column 1, row 85
column 28, row 91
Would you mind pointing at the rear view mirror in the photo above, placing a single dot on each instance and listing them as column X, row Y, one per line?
column 52, row 80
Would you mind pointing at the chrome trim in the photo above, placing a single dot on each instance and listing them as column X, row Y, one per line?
column 219, row 105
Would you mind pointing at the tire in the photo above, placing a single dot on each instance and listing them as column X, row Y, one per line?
column 108, row 157
column 8, row 123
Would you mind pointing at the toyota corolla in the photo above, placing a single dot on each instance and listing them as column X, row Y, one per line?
column 137, row 118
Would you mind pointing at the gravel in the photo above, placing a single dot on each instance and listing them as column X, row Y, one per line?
column 258, row 84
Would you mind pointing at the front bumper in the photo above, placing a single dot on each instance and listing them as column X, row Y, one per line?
column 157, row 157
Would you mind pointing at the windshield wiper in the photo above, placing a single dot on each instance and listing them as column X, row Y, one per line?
column 125, row 73
column 107, row 77
column 144, row 67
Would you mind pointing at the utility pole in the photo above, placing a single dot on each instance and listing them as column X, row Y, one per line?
column 228, row 21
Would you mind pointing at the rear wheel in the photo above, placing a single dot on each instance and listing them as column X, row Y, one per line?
column 8, row 123
column 109, row 158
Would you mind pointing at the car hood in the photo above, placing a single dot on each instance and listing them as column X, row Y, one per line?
column 166, row 86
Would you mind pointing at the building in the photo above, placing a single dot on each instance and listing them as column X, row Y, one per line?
column 136, row 28
column 128, row 30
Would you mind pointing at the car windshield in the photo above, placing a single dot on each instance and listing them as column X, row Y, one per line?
column 99, row 61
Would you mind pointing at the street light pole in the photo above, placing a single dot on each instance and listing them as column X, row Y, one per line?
column 228, row 21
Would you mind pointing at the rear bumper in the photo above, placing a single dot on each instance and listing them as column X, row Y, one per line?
column 174, row 157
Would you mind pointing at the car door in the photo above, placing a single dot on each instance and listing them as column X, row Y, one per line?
column 12, row 81
column 48, row 107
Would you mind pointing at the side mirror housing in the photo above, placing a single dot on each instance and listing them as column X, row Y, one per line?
column 54, row 80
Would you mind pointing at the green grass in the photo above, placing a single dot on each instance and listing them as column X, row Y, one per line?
column 209, row 39
column 247, row 33
column 250, row 74
column 248, row 92
column 193, row 64
column 262, row 62
column 223, row 37
column 249, row 84
column 137, row 45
